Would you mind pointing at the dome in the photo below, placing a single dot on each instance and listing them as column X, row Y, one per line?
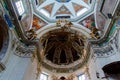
column 63, row 48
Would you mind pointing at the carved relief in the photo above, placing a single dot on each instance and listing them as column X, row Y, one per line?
column 109, row 48
column 24, row 51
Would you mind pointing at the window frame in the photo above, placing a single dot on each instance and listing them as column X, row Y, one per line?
column 20, row 8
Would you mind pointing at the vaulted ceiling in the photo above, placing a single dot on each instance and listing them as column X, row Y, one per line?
column 65, row 46
column 73, row 8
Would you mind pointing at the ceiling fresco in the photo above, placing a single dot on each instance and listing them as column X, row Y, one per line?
column 65, row 48
column 38, row 23
column 90, row 23
column 72, row 8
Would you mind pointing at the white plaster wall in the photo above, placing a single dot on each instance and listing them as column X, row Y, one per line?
column 119, row 38
column 101, row 62
column 15, row 66
column 113, row 58
column 92, row 70
column 30, row 73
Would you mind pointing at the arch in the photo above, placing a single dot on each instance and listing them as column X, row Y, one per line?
column 4, row 38
column 112, row 70
column 52, row 27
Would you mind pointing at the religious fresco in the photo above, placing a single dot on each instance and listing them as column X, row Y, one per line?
column 88, row 22
column 38, row 23
column 49, row 8
column 56, row 8
column 63, row 10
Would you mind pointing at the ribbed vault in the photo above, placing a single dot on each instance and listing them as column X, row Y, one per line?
column 64, row 47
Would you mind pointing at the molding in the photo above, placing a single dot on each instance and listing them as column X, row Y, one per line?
column 105, row 35
column 108, row 49
column 24, row 51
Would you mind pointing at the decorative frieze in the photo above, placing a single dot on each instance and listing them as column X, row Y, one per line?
column 104, row 51
column 108, row 48
column 23, row 50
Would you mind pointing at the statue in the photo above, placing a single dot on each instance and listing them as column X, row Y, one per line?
column 94, row 33
column 31, row 35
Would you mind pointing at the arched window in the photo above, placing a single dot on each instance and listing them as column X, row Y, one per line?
column 20, row 7
column 82, row 77
column 112, row 71
column 43, row 76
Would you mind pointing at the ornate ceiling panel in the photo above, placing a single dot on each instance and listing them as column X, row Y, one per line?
column 87, row 1
column 54, row 8
column 49, row 8
column 63, row 10
column 88, row 22
column 77, row 7
column 38, row 23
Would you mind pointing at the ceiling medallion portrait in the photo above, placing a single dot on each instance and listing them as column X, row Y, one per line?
column 64, row 46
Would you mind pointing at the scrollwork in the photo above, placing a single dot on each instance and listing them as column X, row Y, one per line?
column 108, row 49
column 24, row 51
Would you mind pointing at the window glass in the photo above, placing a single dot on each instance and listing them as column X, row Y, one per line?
column 43, row 77
column 20, row 7
column 82, row 77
